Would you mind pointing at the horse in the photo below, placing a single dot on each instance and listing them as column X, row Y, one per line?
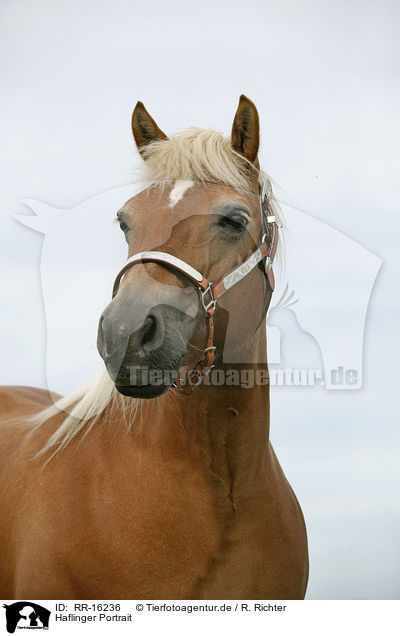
column 157, row 479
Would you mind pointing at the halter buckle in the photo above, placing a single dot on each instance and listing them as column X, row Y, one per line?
column 211, row 304
column 265, row 191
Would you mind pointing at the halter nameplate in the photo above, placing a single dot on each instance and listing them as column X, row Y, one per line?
column 240, row 272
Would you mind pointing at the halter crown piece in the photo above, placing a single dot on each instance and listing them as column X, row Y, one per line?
column 210, row 293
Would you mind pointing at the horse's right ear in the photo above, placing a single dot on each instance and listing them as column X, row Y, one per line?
column 144, row 128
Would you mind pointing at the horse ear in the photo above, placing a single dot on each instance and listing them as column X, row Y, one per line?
column 245, row 137
column 144, row 128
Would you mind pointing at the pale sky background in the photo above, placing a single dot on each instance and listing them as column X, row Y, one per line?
column 325, row 78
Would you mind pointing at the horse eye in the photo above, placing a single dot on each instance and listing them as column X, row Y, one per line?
column 235, row 222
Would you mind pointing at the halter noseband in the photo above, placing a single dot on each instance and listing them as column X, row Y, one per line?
column 210, row 293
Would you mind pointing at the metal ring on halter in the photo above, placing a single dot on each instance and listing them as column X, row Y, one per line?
column 212, row 303
column 213, row 348
column 195, row 373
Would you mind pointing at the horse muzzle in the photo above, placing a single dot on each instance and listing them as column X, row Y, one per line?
column 143, row 344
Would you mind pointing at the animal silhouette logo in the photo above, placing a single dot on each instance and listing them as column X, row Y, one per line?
column 323, row 291
column 298, row 349
column 323, row 286
column 26, row 615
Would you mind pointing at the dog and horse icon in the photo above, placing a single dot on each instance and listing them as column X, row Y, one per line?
column 25, row 615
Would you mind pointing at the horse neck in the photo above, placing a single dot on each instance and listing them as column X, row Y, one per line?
column 221, row 431
column 224, row 427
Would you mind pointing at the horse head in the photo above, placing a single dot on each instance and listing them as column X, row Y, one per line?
column 202, row 206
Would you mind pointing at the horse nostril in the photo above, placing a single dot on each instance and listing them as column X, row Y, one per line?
column 151, row 333
column 148, row 330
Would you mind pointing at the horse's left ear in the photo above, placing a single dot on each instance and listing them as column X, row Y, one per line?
column 245, row 137
column 144, row 128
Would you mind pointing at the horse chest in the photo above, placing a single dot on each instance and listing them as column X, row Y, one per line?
column 152, row 532
column 156, row 539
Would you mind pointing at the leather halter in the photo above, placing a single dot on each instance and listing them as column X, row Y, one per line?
column 210, row 293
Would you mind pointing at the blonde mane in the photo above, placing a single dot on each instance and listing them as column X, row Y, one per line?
column 197, row 155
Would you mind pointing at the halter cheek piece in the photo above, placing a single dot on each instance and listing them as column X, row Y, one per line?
column 210, row 293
